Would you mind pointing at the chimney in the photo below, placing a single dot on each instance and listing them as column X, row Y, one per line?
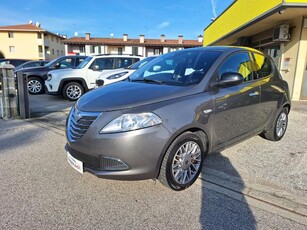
column 162, row 38
column 200, row 38
column 180, row 39
column 87, row 36
column 142, row 38
column 125, row 37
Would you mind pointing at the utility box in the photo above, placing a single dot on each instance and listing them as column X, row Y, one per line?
column 9, row 94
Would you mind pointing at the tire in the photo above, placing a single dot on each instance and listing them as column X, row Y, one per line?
column 278, row 130
column 35, row 86
column 73, row 91
column 179, row 170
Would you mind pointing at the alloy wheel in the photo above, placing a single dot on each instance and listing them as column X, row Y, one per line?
column 186, row 162
column 34, row 86
column 73, row 92
column 281, row 124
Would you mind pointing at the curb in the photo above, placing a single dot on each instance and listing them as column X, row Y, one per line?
column 264, row 197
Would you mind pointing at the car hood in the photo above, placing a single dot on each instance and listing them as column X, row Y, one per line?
column 33, row 69
column 65, row 71
column 124, row 95
column 112, row 72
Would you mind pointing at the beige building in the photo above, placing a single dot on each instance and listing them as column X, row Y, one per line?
column 125, row 45
column 276, row 27
column 30, row 41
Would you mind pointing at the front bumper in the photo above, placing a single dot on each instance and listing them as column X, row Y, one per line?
column 140, row 150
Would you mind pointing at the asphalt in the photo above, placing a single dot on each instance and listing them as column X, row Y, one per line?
column 256, row 184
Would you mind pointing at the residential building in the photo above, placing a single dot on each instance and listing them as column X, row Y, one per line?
column 141, row 46
column 30, row 41
column 276, row 27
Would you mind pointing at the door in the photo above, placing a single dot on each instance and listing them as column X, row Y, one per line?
column 304, row 86
column 96, row 68
column 235, row 107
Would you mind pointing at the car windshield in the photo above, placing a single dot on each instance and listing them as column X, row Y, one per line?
column 182, row 68
column 52, row 62
column 139, row 64
column 84, row 63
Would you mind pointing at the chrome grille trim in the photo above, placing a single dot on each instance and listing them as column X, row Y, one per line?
column 79, row 122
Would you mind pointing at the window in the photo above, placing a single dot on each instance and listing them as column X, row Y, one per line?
column 79, row 60
column 120, row 50
column 58, row 53
column 66, row 63
column 51, row 38
column 238, row 63
column 81, row 49
column 92, row 49
column 39, row 35
column 40, row 49
column 99, row 49
column 52, row 51
column 11, row 35
column 263, row 66
column 12, row 49
column 104, row 63
column 157, row 52
column 124, row 62
column 135, row 50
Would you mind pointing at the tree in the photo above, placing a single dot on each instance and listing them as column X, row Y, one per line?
column 1, row 54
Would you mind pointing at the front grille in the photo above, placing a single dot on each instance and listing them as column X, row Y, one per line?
column 79, row 122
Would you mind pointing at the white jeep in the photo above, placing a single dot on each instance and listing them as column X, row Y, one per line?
column 72, row 83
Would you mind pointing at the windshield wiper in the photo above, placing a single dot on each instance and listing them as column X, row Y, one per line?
column 148, row 81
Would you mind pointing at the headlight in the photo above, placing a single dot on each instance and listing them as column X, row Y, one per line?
column 128, row 122
column 49, row 77
column 118, row 75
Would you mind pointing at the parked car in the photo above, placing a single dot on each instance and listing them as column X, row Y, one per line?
column 75, row 82
column 37, row 75
column 190, row 103
column 31, row 64
column 14, row 62
column 121, row 74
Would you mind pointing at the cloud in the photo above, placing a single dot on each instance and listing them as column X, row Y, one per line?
column 213, row 4
column 163, row 25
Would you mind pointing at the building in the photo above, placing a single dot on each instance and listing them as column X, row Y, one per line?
column 141, row 46
column 30, row 41
column 276, row 27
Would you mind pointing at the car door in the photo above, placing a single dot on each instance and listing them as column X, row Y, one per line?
column 271, row 87
column 98, row 66
column 236, row 107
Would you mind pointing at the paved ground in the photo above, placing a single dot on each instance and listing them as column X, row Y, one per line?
column 254, row 185
column 39, row 190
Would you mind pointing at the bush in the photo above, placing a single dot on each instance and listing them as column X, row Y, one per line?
column 1, row 54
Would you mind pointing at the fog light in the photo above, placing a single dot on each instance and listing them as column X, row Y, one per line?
column 112, row 164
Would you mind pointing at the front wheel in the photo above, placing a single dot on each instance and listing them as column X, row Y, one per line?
column 73, row 91
column 278, row 130
column 183, row 160
column 35, row 85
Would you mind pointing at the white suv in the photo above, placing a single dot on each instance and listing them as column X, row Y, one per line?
column 72, row 83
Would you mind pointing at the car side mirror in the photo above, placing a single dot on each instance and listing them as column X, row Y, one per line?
column 229, row 79
column 57, row 65
column 95, row 67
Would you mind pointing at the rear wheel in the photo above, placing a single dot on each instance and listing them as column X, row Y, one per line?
column 73, row 91
column 183, row 160
column 35, row 85
column 278, row 130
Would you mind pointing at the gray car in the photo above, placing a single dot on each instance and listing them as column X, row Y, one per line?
column 164, row 120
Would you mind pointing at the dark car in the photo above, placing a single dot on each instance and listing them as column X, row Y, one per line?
column 172, row 112
column 14, row 62
column 31, row 64
column 37, row 75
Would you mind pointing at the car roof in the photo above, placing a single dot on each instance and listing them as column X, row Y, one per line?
column 223, row 49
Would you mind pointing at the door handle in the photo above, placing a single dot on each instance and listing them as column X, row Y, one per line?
column 256, row 93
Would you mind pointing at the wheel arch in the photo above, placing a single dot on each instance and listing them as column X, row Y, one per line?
column 179, row 132
column 64, row 82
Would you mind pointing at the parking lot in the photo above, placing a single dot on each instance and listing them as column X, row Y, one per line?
column 256, row 184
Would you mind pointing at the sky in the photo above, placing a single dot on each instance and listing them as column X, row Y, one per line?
column 113, row 18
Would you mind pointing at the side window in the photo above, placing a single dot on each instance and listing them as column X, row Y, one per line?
column 104, row 63
column 238, row 63
column 79, row 60
column 263, row 66
column 66, row 63
column 123, row 62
